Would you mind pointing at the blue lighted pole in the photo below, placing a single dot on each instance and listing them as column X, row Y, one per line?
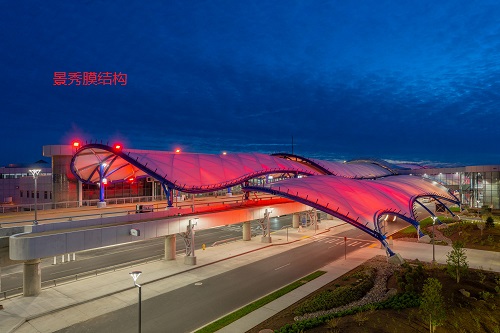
column 102, row 182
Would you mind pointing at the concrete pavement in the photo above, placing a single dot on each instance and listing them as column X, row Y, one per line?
column 75, row 302
column 408, row 250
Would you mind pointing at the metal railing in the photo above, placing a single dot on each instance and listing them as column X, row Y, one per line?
column 133, row 210
column 14, row 292
column 76, row 204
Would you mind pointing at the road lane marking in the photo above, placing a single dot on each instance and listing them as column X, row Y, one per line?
column 68, row 270
column 282, row 266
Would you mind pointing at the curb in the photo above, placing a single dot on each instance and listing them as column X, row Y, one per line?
column 42, row 314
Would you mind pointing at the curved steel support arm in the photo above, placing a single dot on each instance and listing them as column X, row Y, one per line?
column 427, row 209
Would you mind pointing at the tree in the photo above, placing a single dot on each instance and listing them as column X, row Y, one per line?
column 490, row 223
column 432, row 303
column 457, row 261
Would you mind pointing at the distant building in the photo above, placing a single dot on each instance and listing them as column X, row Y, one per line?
column 476, row 186
column 17, row 186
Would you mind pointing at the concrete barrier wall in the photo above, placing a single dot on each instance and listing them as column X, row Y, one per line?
column 41, row 244
column 107, row 220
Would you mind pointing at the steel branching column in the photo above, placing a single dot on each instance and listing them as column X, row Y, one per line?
column 188, row 238
column 313, row 217
column 265, row 224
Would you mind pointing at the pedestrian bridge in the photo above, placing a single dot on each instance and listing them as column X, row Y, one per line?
column 362, row 193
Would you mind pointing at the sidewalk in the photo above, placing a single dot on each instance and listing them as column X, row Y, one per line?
column 408, row 250
column 65, row 305
column 74, row 302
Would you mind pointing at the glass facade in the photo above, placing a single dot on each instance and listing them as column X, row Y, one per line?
column 475, row 189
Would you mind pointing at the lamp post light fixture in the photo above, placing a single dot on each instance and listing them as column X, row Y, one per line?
column 35, row 173
column 434, row 218
column 135, row 276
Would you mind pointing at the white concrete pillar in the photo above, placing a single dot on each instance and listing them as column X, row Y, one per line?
column 266, row 239
column 295, row 220
column 170, row 247
column 247, row 232
column 190, row 260
column 32, row 278
column 80, row 194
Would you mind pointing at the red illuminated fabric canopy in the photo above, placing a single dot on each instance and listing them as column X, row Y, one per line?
column 353, row 170
column 187, row 172
column 360, row 201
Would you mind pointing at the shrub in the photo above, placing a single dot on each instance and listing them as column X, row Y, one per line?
column 400, row 301
column 411, row 278
column 334, row 324
column 337, row 297
column 360, row 318
column 490, row 222
column 485, row 295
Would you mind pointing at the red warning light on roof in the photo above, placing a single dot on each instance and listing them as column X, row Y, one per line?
column 117, row 146
column 177, row 150
column 131, row 179
column 75, row 144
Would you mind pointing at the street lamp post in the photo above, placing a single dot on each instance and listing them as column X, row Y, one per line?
column 433, row 249
column 35, row 173
column 135, row 276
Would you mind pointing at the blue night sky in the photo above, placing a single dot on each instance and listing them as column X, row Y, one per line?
column 401, row 79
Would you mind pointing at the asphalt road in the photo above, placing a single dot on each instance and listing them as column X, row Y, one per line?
column 104, row 259
column 192, row 306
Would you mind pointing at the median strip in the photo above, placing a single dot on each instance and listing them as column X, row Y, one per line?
column 232, row 317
